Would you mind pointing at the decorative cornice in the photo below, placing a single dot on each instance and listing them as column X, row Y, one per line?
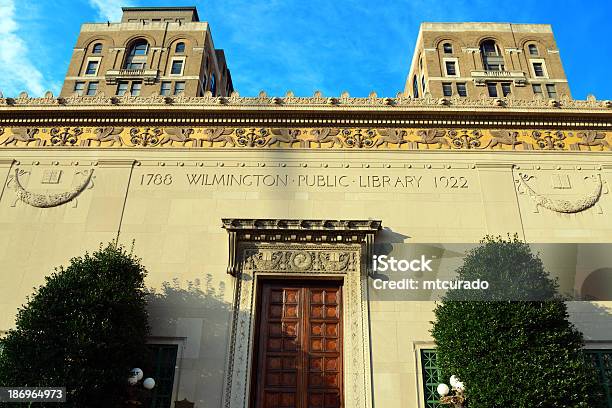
column 290, row 100
column 299, row 231
column 294, row 225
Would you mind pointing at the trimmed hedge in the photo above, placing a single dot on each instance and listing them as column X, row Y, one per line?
column 512, row 353
column 85, row 328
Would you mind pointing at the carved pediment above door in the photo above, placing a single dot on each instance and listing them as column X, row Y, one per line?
column 288, row 231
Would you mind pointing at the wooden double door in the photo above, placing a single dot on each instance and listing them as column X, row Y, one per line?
column 298, row 354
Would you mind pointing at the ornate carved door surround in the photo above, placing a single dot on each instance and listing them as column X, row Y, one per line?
column 300, row 249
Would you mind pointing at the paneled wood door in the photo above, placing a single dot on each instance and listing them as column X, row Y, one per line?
column 298, row 357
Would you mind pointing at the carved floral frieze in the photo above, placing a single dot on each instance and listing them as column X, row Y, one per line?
column 308, row 138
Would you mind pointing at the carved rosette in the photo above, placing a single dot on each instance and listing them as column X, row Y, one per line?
column 65, row 136
column 465, row 139
column 359, row 138
column 145, row 137
column 252, row 137
column 549, row 140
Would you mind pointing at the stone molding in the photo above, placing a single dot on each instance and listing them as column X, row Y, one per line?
column 299, row 231
column 317, row 100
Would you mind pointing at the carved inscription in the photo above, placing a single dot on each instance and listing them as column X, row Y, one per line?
column 155, row 179
column 411, row 182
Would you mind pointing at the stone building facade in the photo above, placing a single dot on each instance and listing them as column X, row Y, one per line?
column 256, row 218
column 487, row 60
column 152, row 50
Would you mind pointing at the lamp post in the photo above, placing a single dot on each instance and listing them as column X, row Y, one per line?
column 139, row 396
column 453, row 395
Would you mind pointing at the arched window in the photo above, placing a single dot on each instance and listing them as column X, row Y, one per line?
column 137, row 55
column 180, row 48
column 97, row 48
column 415, row 87
column 533, row 49
column 448, row 48
column 492, row 59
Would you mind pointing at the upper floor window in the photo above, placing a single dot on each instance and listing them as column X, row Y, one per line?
column 451, row 68
column 447, row 89
column 213, row 85
column 506, row 88
column 140, row 47
column 137, row 55
column 180, row 48
column 78, row 88
column 461, row 89
column 551, row 91
column 538, row 69
column 179, row 87
column 492, row 89
column 92, row 88
column 203, row 84
column 448, row 48
column 165, row 88
column 492, row 58
column 92, row 68
column 177, row 67
column 537, row 89
column 97, row 49
column 136, row 87
column 489, row 48
column 122, row 88
column 415, row 87
column 533, row 49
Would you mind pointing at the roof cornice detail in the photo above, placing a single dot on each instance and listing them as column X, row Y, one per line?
column 316, row 101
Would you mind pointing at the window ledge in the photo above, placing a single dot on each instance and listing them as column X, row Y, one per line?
column 149, row 76
column 481, row 77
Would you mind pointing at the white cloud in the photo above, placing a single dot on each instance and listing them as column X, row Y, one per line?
column 109, row 10
column 17, row 72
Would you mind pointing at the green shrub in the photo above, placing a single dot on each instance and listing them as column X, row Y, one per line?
column 85, row 328
column 512, row 353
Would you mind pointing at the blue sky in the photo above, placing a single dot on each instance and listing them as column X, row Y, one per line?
column 303, row 46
